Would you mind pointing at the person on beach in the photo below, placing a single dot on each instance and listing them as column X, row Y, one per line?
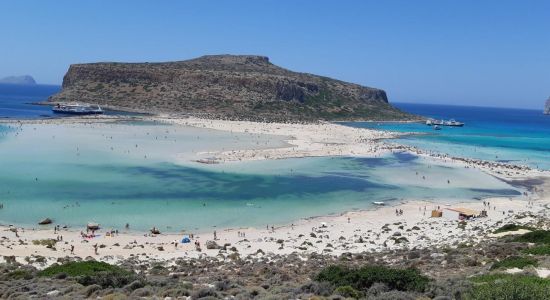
column 72, row 249
column 215, row 235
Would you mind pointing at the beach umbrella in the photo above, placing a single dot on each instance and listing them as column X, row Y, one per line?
column 185, row 239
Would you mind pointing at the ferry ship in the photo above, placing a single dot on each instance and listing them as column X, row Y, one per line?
column 77, row 109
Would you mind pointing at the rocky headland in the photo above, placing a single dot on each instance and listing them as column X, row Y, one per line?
column 20, row 80
column 547, row 107
column 243, row 87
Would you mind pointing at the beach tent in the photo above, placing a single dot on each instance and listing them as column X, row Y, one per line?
column 185, row 239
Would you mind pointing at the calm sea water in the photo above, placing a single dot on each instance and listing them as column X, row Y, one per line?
column 16, row 100
column 144, row 174
column 508, row 135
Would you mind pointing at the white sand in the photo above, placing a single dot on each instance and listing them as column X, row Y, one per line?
column 306, row 140
column 339, row 236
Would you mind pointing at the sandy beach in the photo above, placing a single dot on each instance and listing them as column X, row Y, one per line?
column 358, row 231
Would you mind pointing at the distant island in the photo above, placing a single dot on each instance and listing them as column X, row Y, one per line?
column 245, row 87
column 21, row 80
column 547, row 107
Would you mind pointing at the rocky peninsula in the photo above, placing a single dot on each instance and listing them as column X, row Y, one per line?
column 547, row 107
column 243, row 87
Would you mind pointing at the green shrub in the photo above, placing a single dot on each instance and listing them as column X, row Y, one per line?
column 92, row 272
column 512, row 227
column 80, row 268
column 363, row 278
column 537, row 237
column 348, row 292
column 20, row 274
column 514, row 262
column 538, row 250
column 507, row 286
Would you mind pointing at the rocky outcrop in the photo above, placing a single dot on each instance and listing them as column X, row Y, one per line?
column 22, row 80
column 226, row 86
column 547, row 107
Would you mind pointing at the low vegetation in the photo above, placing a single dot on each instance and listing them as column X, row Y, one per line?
column 538, row 250
column 507, row 286
column 536, row 237
column 514, row 262
column 363, row 278
column 512, row 227
column 91, row 272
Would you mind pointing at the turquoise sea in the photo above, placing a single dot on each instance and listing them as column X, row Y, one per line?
column 144, row 174
column 518, row 136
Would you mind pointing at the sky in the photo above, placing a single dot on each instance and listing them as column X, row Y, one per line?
column 484, row 53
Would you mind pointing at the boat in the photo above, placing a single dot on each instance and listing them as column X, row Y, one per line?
column 437, row 127
column 379, row 203
column 453, row 123
column 431, row 122
column 77, row 109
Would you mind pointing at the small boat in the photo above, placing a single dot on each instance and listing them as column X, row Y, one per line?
column 453, row 123
column 437, row 127
column 77, row 109
column 379, row 203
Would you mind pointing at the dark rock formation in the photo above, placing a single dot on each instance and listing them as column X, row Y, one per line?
column 22, row 80
column 224, row 86
column 547, row 107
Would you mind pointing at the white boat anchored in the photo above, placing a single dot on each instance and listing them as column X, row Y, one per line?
column 451, row 122
column 454, row 123
column 77, row 109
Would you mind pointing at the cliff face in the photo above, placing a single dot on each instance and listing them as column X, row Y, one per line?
column 229, row 86
column 547, row 107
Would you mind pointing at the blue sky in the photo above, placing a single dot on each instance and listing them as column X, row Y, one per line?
column 487, row 53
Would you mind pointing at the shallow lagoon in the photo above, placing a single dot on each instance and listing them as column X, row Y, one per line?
column 79, row 173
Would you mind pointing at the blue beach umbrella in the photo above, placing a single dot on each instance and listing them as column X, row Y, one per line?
column 185, row 239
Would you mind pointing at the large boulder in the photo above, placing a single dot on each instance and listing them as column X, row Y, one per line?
column 212, row 245
column 46, row 221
